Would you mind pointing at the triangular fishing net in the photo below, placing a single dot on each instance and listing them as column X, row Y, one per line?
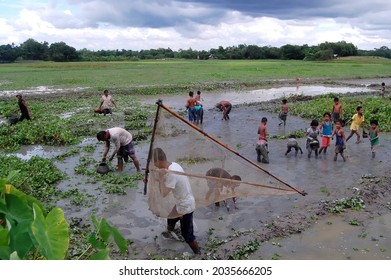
column 211, row 166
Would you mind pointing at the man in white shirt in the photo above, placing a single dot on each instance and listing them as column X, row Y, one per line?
column 124, row 146
column 106, row 103
column 184, row 199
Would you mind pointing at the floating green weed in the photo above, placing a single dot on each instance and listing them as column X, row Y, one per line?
column 60, row 121
column 325, row 191
column 245, row 250
column 77, row 198
column 276, row 256
column 354, row 223
column 71, row 152
column 36, row 176
column 189, row 160
column 339, row 205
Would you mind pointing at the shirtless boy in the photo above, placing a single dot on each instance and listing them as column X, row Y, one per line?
column 190, row 106
column 337, row 112
column 262, row 130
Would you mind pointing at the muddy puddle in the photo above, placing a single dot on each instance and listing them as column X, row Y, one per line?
column 41, row 90
column 243, row 97
column 321, row 178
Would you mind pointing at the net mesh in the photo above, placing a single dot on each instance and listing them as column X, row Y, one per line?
column 215, row 171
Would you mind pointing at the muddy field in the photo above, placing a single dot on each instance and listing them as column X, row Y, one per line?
column 273, row 227
column 286, row 227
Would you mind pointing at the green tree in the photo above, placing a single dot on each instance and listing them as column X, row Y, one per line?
column 9, row 53
column 33, row 50
column 340, row 48
column 253, row 52
column 292, row 52
column 61, row 52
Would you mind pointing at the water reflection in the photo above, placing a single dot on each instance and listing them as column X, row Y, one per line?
column 260, row 95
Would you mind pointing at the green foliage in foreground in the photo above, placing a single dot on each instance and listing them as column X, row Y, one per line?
column 339, row 205
column 28, row 232
column 374, row 108
column 36, row 176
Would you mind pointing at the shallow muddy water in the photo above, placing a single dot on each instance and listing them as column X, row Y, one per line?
column 333, row 239
column 312, row 175
column 251, row 96
column 131, row 215
column 42, row 90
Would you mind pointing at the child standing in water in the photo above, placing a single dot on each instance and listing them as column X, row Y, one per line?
column 262, row 129
column 326, row 131
column 191, row 102
column 340, row 139
column 262, row 147
column 336, row 113
column 283, row 113
column 357, row 120
column 374, row 136
column 312, row 138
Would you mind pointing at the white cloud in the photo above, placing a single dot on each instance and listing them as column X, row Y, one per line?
column 177, row 25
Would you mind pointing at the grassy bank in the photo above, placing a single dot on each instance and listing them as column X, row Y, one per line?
column 150, row 77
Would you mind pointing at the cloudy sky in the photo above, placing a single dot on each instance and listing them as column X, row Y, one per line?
column 196, row 24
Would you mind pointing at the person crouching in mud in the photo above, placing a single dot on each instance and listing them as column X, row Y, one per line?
column 226, row 107
column 216, row 187
column 124, row 146
column 293, row 144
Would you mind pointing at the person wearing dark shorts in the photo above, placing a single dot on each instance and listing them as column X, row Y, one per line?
column 124, row 147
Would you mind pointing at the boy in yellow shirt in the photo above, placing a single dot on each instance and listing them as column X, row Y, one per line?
column 357, row 121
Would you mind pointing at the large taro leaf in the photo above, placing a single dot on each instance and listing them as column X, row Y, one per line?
column 7, row 189
column 16, row 208
column 5, row 250
column 51, row 233
column 121, row 242
column 106, row 230
column 20, row 239
column 101, row 254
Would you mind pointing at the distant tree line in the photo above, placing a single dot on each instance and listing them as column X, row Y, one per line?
column 61, row 52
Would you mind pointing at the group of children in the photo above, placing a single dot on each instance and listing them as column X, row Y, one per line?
column 331, row 126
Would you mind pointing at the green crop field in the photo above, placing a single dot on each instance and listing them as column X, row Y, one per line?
column 173, row 75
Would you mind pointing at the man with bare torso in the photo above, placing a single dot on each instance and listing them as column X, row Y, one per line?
column 226, row 107
column 190, row 105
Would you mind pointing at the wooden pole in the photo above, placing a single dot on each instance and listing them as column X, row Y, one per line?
column 159, row 102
